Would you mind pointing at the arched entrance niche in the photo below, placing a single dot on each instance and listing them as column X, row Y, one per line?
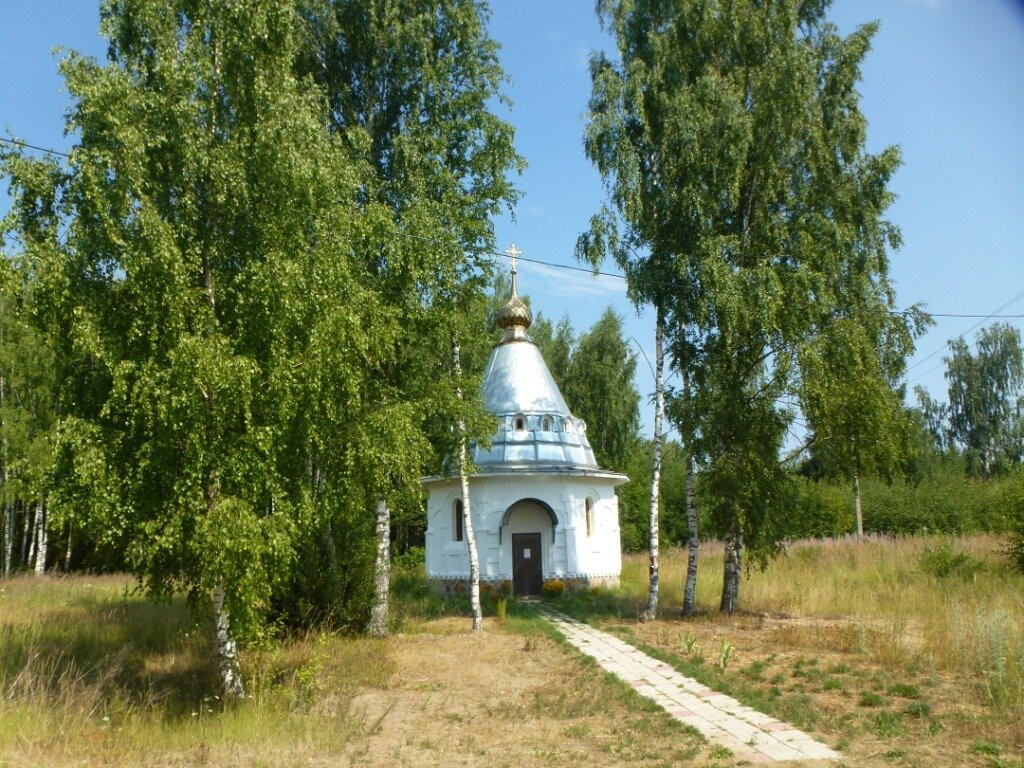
column 528, row 507
column 527, row 534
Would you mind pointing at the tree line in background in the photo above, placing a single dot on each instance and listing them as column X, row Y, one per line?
column 938, row 487
column 252, row 308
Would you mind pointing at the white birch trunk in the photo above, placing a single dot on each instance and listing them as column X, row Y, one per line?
column 227, row 649
column 42, row 539
column 378, row 624
column 856, row 502
column 26, row 539
column 8, row 538
column 692, row 538
column 67, row 552
column 692, row 542
column 474, row 559
column 651, row 610
column 732, row 568
column 467, row 518
column 8, row 506
column 32, row 525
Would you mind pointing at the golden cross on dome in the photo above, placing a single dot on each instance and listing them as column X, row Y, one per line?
column 512, row 252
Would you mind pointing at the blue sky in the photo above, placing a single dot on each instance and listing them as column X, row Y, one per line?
column 944, row 81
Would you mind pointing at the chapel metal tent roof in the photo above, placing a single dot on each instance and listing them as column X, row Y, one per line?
column 536, row 428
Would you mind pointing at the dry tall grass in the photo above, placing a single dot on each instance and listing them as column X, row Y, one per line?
column 885, row 602
column 91, row 673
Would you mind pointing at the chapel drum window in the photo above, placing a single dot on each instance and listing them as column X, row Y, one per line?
column 457, row 522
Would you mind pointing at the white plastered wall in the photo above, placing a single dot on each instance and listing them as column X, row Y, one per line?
column 570, row 553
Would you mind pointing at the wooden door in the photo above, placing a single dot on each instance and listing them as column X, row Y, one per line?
column 527, row 572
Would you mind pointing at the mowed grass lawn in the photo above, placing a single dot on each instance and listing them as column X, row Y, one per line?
column 857, row 643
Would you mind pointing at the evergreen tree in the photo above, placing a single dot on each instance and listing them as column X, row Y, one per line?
column 557, row 343
column 599, row 388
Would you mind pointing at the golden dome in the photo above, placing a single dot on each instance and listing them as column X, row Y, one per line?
column 515, row 313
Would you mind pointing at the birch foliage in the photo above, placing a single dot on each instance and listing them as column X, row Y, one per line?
column 417, row 80
column 212, row 301
column 733, row 147
column 986, row 396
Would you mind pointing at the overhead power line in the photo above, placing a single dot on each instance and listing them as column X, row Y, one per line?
column 601, row 273
column 983, row 317
column 26, row 145
column 520, row 257
column 991, row 316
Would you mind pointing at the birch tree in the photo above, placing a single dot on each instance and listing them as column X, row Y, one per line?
column 732, row 141
column 850, row 397
column 204, row 197
column 934, row 417
column 653, row 546
column 42, row 538
column 378, row 625
column 417, row 80
column 467, row 514
column 985, row 394
column 692, row 534
column 28, row 395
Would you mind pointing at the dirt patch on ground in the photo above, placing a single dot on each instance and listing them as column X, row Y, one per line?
column 505, row 699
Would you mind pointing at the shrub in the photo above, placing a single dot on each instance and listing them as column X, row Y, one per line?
column 505, row 589
column 1015, row 547
column 823, row 509
column 940, row 500
column 414, row 557
column 553, row 588
column 944, row 560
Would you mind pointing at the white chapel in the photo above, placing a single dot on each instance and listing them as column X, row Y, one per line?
column 541, row 507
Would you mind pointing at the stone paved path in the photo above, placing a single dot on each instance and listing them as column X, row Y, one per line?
column 750, row 734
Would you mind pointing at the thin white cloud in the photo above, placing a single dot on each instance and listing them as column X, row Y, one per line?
column 569, row 282
column 582, row 57
column 929, row 4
